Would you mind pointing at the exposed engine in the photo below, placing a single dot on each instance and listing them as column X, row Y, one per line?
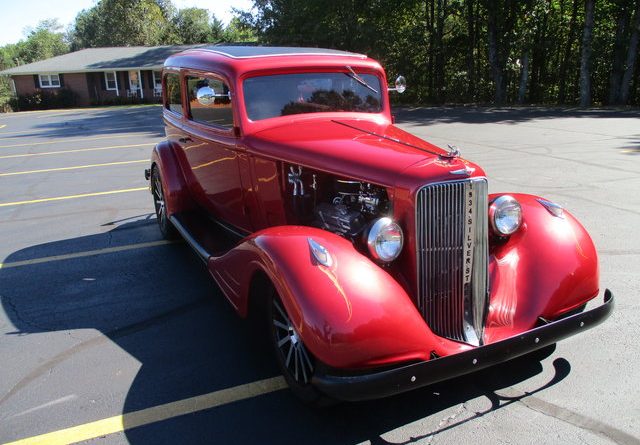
column 341, row 206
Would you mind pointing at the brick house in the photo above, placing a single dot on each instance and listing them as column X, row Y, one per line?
column 97, row 74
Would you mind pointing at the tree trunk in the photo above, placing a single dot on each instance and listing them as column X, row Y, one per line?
column 494, row 54
column 524, row 77
column 617, row 70
column 471, row 90
column 440, row 59
column 562, row 91
column 632, row 53
column 585, row 61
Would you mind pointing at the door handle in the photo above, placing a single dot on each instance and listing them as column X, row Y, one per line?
column 185, row 140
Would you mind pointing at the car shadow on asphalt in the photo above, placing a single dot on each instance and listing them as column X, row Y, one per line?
column 145, row 120
column 160, row 306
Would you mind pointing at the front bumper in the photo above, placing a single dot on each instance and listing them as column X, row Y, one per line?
column 416, row 375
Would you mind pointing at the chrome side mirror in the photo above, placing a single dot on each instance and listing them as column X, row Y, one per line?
column 400, row 85
column 206, row 95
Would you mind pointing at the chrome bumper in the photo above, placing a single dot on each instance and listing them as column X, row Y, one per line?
column 406, row 378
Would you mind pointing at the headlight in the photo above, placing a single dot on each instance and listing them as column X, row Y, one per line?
column 505, row 215
column 385, row 240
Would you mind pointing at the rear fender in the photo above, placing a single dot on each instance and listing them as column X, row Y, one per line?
column 177, row 197
column 545, row 269
column 352, row 314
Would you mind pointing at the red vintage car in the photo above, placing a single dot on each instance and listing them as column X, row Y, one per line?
column 379, row 260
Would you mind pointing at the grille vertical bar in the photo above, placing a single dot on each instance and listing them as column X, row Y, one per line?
column 452, row 230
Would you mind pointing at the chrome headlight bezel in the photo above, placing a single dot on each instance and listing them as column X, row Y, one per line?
column 385, row 240
column 505, row 215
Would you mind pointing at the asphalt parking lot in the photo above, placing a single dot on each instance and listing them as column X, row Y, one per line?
column 110, row 335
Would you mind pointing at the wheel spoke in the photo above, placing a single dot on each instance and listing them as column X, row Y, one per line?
column 282, row 313
column 284, row 340
column 306, row 358
column 281, row 325
column 302, row 366
column 288, row 360
column 295, row 360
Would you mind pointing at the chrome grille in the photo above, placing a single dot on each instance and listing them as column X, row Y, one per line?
column 452, row 230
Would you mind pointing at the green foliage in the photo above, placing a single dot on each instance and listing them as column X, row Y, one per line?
column 44, row 41
column 192, row 25
column 443, row 47
column 151, row 22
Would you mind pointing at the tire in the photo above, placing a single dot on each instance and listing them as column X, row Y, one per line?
column 294, row 360
column 166, row 228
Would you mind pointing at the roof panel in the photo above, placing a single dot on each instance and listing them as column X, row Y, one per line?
column 238, row 52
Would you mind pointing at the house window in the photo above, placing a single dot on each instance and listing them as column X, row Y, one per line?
column 49, row 81
column 157, row 80
column 217, row 111
column 111, row 80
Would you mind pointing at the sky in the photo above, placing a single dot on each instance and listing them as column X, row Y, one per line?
column 15, row 18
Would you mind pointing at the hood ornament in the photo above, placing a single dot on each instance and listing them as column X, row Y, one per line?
column 467, row 171
column 452, row 153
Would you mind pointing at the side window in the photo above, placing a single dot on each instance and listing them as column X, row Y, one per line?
column 209, row 101
column 173, row 93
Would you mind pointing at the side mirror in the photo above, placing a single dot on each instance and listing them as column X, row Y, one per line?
column 400, row 85
column 206, row 95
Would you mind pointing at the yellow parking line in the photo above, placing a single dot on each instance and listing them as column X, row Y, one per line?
column 70, row 256
column 72, row 130
column 66, row 140
column 60, row 198
column 2, row 126
column 77, row 150
column 76, row 167
column 155, row 414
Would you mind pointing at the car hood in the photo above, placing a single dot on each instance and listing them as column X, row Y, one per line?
column 366, row 150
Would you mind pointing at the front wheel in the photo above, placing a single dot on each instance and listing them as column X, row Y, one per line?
column 295, row 361
column 167, row 229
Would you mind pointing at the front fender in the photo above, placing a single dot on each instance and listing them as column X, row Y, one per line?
column 176, row 193
column 545, row 269
column 350, row 315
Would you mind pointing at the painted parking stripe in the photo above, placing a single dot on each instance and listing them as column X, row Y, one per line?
column 66, row 141
column 85, row 253
column 75, row 167
column 61, row 198
column 2, row 126
column 155, row 414
column 76, row 130
column 78, row 150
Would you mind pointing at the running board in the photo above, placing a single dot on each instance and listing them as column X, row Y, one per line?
column 205, row 236
column 199, row 249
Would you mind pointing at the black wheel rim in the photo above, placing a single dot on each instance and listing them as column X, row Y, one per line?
column 158, row 198
column 289, row 345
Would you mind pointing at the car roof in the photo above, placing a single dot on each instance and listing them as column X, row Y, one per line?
column 239, row 52
column 235, row 61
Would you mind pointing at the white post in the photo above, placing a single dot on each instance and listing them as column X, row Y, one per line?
column 140, row 84
column 115, row 76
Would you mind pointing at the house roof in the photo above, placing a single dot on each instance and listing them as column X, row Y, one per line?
column 101, row 59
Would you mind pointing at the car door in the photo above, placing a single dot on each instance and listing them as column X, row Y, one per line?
column 210, row 147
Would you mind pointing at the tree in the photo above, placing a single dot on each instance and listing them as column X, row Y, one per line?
column 585, row 61
column 192, row 26
column 632, row 54
column 44, row 41
column 123, row 23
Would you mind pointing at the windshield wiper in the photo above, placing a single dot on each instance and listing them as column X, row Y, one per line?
column 359, row 79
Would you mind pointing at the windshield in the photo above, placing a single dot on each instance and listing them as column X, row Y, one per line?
column 286, row 94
